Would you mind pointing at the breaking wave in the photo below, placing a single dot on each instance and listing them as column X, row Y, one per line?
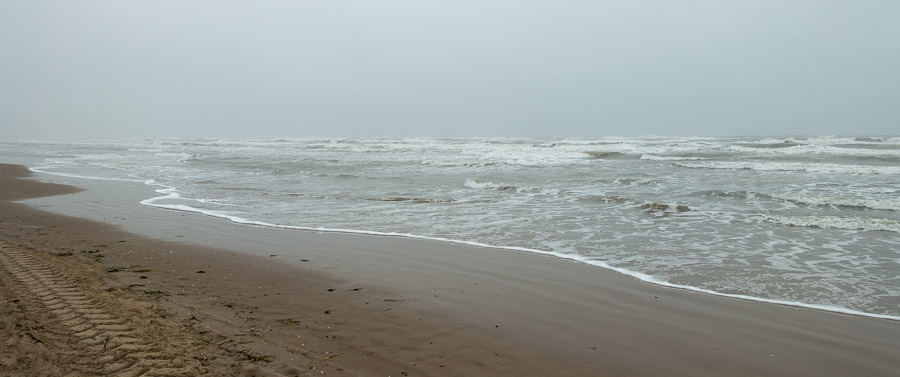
column 474, row 184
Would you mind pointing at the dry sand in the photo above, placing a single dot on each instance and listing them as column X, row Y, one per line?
column 84, row 298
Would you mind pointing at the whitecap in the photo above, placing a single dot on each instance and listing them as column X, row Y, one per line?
column 474, row 184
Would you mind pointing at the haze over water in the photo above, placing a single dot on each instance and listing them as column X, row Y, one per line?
column 814, row 221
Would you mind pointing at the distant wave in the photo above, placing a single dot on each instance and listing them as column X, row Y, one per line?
column 400, row 199
column 823, row 140
column 180, row 156
column 413, row 200
column 607, row 155
column 651, row 157
column 773, row 144
column 865, row 203
column 607, row 199
column 793, row 166
column 663, row 208
column 463, row 164
column 855, row 150
column 835, row 222
column 651, row 207
column 471, row 183
column 740, row 194
column 883, row 204
column 632, row 181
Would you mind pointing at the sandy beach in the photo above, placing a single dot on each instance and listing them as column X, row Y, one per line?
column 171, row 293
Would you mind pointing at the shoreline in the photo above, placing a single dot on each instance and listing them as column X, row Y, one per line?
column 643, row 277
column 649, row 279
column 492, row 313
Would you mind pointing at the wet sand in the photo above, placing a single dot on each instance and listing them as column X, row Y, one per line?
column 262, row 301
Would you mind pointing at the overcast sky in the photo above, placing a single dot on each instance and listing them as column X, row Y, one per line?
column 89, row 69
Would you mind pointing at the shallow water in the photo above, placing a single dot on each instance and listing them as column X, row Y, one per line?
column 803, row 220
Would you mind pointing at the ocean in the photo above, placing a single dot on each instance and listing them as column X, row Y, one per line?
column 805, row 221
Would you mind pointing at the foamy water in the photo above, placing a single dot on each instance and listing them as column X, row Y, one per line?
column 804, row 221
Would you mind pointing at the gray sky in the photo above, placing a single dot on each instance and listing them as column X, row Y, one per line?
column 89, row 69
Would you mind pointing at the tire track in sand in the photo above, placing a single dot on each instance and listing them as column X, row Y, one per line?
column 103, row 343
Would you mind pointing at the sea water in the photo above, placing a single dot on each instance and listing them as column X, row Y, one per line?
column 809, row 221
